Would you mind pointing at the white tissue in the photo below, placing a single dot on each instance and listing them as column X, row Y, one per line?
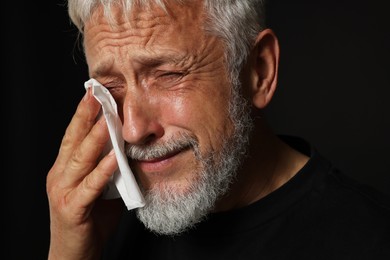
column 123, row 183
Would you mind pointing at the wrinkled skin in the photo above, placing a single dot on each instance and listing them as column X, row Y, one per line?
column 74, row 184
column 168, row 77
column 162, row 81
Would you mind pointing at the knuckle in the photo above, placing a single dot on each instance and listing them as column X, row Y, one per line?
column 67, row 139
column 51, row 185
column 91, row 184
column 78, row 162
column 77, row 157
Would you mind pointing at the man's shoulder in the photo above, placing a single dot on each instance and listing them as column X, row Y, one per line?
column 350, row 198
column 336, row 186
column 336, row 205
column 350, row 217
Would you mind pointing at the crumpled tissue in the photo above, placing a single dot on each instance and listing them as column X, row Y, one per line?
column 123, row 183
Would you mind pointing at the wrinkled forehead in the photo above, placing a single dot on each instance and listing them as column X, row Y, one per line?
column 139, row 16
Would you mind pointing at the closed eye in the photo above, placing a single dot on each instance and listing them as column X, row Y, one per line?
column 115, row 87
column 170, row 75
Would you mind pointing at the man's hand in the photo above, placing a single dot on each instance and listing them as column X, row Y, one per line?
column 80, row 220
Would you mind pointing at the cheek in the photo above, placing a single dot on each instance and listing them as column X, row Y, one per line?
column 203, row 115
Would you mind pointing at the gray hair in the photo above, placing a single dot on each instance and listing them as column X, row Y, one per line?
column 235, row 22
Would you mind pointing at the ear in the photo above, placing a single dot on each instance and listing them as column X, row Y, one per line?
column 264, row 63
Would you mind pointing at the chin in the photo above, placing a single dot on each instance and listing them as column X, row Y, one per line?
column 170, row 188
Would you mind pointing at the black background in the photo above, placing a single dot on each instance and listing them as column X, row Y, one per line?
column 333, row 90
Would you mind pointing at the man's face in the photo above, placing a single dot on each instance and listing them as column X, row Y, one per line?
column 169, row 80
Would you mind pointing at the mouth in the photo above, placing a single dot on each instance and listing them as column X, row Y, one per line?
column 160, row 163
column 162, row 158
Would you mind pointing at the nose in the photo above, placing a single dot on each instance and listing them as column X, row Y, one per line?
column 141, row 123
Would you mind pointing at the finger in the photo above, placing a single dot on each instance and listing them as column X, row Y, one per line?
column 80, row 125
column 92, row 186
column 85, row 157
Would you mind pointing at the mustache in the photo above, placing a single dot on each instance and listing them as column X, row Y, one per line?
column 159, row 150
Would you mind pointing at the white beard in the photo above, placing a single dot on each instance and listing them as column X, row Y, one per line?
column 170, row 210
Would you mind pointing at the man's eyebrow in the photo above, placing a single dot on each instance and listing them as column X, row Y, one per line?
column 173, row 58
column 101, row 69
column 160, row 59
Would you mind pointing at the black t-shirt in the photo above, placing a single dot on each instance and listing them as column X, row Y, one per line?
column 319, row 214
